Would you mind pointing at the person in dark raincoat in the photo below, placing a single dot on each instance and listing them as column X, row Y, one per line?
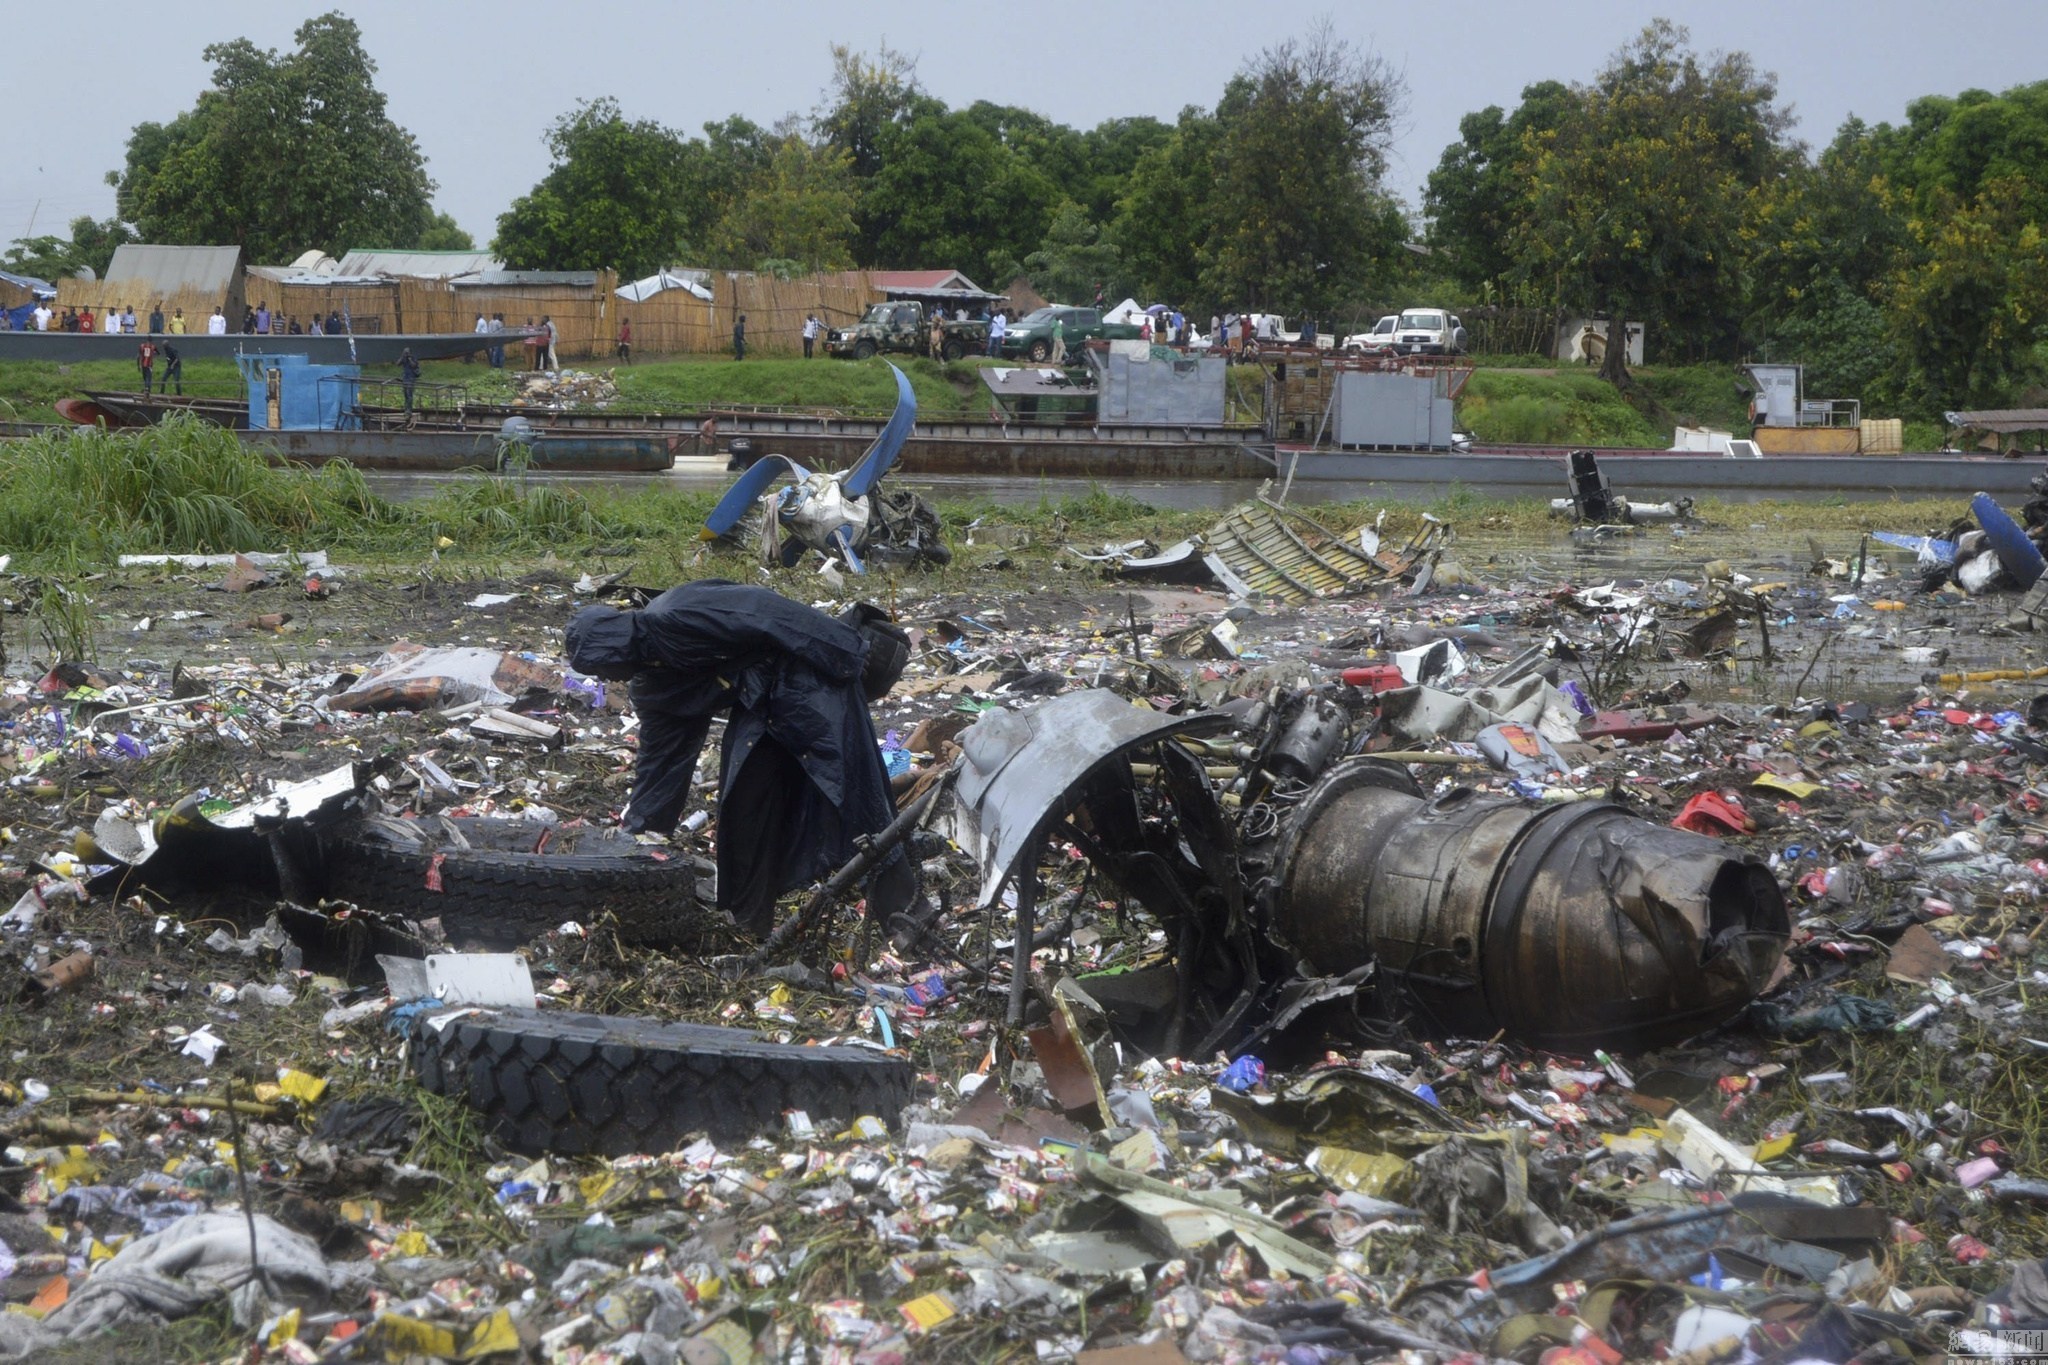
column 801, row 777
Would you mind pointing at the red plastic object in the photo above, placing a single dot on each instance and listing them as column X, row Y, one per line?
column 1712, row 813
column 1375, row 677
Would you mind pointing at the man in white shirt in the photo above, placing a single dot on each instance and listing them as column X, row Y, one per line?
column 42, row 317
column 811, row 325
column 217, row 325
column 998, row 328
column 113, row 323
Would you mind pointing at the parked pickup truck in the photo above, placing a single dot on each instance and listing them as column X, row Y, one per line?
column 1030, row 337
column 903, row 328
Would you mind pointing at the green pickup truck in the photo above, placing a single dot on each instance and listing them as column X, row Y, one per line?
column 905, row 328
column 1030, row 337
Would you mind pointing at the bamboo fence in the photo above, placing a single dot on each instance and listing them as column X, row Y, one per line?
column 586, row 317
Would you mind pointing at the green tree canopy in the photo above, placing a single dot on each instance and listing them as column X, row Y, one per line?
column 794, row 209
column 1635, row 203
column 444, row 234
column 1475, row 192
column 1299, row 214
column 618, row 195
column 285, row 152
column 1076, row 259
column 89, row 247
column 949, row 191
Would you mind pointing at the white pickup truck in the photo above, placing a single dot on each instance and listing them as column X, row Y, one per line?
column 1429, row 331
column 1378, row 341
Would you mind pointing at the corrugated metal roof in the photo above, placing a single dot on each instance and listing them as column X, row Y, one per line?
column 580, row 278
column 42, row 289
column 924, row 281
column 164, row 269
column 419, row 265
column 2001, row 419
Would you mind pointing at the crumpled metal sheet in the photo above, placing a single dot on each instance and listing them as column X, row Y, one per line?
column 1019, row 770
column 1283, row 554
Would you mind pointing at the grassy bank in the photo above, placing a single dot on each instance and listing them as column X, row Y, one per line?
column 80, row 500
column 29, row 390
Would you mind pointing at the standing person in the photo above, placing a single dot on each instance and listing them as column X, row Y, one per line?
column 128, row 320
column 482, row 325
column 1244, row 332
column 534, row 351
column 1216, row 337
column 811, row 325
column 739, row 337
column 626, row 339
column 408, row 375
column 547, row 324
column 1059, row 341
column 998, row 328
column 802, row 776
column 145, row 357
column 938, row 336
column 262, row 318
column 498, row 351
column 217, row 325
column 113, row 323
column 42, row 316
column 333, row 323
column 156, row 318
column 177, row 325
column 248, row 320
column 174, row 370
column 313, row 328
column 83, row 322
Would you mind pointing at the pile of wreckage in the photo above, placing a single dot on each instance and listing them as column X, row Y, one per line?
column 1393, row 995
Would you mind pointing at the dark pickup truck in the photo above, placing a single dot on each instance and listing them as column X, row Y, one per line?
column 1030, row 337
column 905, row 328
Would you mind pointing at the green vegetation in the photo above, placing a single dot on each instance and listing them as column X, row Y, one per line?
column 188, row 488
column 1575, row 407
column 183, row 487
column 1704, row 395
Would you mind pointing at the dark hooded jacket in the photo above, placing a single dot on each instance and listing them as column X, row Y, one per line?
column 801, row 774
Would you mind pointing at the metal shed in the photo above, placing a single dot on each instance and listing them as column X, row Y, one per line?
column 1155, row 384
column 1393, row 410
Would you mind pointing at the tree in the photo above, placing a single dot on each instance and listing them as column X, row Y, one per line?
column 1299, row 212
column 1076, row 259
column 1474, row 192
column 617, row 195
column 795, row 210
column 1968, row 309
column 1635, row 203
column 1168, row 210
column 284, row 152
column 444, row 234
column 89, row 247
column 948, row 192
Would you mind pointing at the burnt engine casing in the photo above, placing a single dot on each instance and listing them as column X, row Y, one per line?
column 1568, row 927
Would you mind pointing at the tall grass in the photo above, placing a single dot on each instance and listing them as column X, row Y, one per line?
column 183, row 487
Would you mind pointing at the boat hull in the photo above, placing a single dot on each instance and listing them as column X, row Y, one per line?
column 442, row 451
column 1516, row 472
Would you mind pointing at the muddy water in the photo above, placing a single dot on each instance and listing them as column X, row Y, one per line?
column 695, row 473
column 1845, row 650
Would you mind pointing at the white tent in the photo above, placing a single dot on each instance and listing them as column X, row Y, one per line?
column 639, row 291
column 1127, row 311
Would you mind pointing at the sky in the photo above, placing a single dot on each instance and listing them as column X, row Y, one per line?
column 478, row 84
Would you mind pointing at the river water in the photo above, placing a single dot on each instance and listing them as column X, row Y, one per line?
column 705, row 473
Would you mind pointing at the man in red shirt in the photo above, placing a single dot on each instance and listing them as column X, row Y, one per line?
column 145, row 356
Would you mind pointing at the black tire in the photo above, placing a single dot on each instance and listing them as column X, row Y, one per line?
column 590, row 1083
column 863, row 350
column 499, row 893
column 1039, row 350
column 952, row 348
